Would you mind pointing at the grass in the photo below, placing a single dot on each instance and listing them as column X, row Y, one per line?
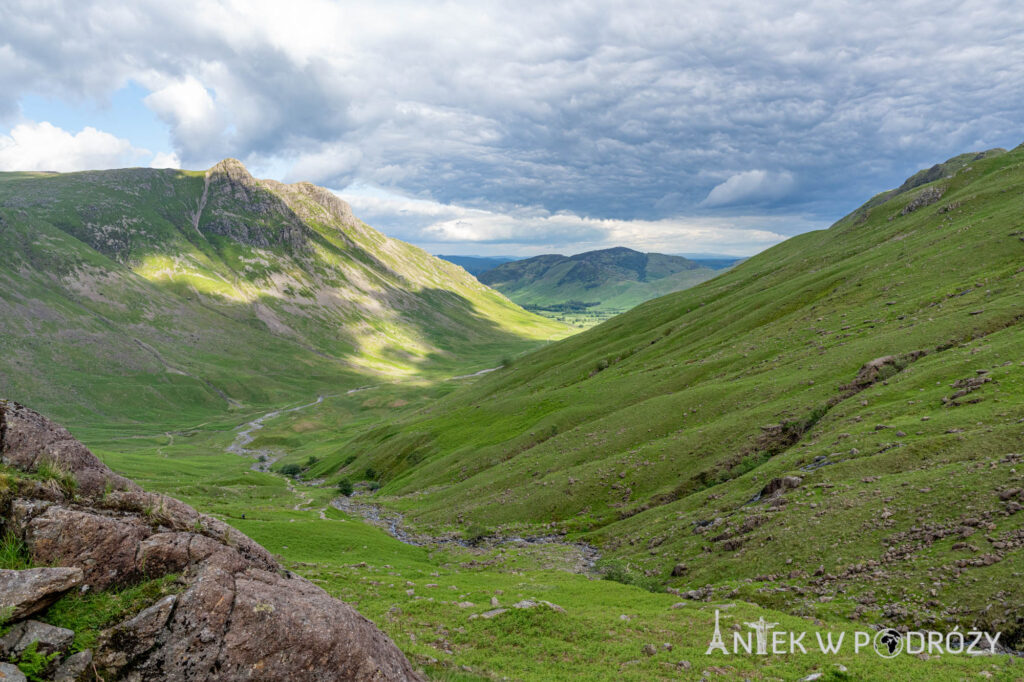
column 90, row 613
column 13, row 553
column 65, row 480
column 361, row 564
column 34, row 664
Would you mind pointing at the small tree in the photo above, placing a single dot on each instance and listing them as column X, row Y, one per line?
column 345, row 487
column 370, row 474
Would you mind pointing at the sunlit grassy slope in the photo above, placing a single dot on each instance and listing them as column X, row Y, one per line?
column 167, row 296
column 653, row 434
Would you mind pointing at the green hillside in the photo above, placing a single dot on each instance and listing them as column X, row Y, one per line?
column 161, row 295
column 831, row 428
column 603, row 282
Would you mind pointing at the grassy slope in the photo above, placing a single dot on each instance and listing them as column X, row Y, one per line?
column 637, row 430
column 118, row 307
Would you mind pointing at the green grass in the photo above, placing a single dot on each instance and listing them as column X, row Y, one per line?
column 35, row 665
column 364, row 566
column 13, row 553
column 90, row 613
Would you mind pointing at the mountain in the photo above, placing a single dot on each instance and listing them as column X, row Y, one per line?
column 475, row 265
column 181, row 293
column 607, row 280
column 831, row 428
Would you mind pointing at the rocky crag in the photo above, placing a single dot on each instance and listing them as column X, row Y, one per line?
column 233, row 612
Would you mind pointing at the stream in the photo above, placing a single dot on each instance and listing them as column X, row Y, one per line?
column 582, row 557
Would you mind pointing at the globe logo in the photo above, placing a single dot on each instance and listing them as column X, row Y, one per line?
column 888, row 643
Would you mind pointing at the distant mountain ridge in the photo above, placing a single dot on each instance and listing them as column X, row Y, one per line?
column 475, row 265
column 615, row 278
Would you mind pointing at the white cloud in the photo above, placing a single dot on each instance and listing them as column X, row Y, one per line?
column 530, row 230
column 750, row 187
column 165, row 160
column 45, row 147
column 189, row 109
column 607, row 108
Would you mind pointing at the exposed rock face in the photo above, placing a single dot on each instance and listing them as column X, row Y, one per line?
column 11, row 673
column 27, row 592
column 780, row 485
column 272, row 223
column 240, row 615
column 28, row 439
column 50, row 639
column 925, row 197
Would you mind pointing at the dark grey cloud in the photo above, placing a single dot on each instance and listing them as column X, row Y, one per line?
column 604, row 109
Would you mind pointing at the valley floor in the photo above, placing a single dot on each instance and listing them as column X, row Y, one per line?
column 452, row 608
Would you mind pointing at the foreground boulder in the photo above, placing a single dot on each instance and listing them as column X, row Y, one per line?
column 239, row 614
column 25, row 592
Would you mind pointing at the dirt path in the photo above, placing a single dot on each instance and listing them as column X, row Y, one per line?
column 245, row 436
column 474, row 374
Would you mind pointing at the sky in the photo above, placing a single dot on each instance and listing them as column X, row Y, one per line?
column 519, row 128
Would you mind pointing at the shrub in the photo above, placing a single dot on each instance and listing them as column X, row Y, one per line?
column 311, row 460
column 345, row 487
column 370, row 474
column 292, row 470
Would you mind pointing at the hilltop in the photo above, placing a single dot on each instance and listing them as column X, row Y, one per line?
column 156, row 295
column 606, row 281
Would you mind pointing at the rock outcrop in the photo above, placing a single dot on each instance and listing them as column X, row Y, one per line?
column 239, row 615
column 32, row 590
